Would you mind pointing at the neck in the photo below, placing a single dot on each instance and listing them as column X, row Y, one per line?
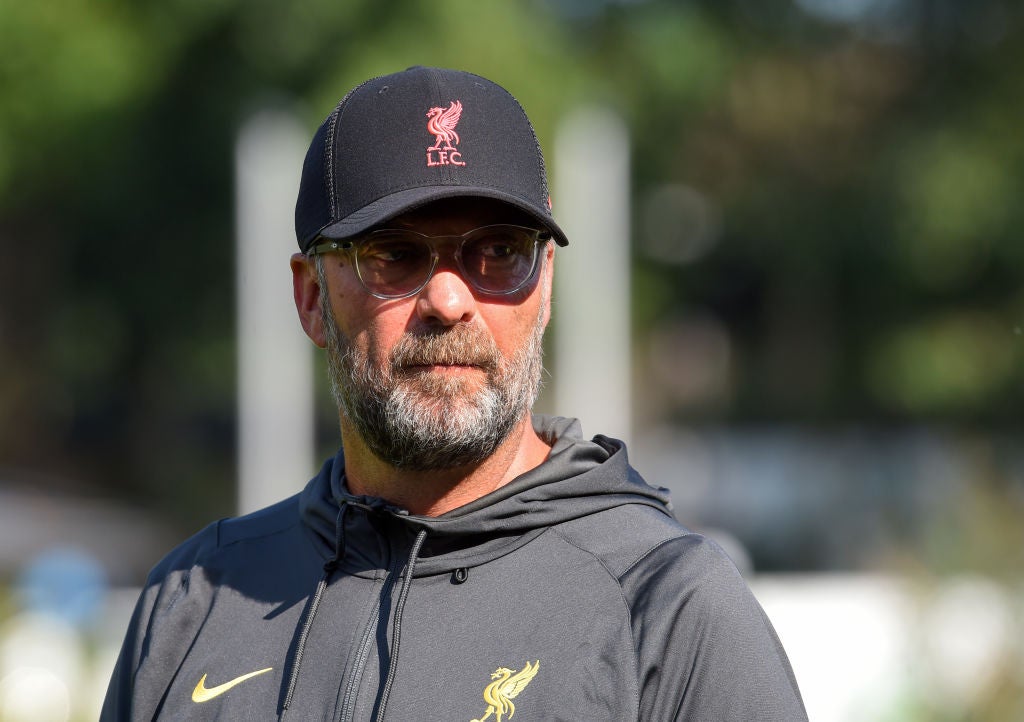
column 432, row 493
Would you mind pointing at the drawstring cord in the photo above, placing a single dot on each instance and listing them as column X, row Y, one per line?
column 397, row 632
column 311, row 610
column 329, row 567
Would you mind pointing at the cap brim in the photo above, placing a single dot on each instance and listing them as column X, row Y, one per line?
column 395, row 204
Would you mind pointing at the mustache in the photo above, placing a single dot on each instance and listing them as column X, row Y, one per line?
column 459, row 345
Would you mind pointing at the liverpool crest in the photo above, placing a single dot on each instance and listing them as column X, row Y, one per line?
column 506, row 686
column 441, row 124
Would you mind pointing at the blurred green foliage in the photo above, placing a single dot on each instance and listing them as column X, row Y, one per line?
column 860, row 161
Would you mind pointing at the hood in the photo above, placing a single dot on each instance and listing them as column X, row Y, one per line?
column 578, row 479
column 364, row 534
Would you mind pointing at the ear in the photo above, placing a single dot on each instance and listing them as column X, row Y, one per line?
column 547, row 276
column 306, row 291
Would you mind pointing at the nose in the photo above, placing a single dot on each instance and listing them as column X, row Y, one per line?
column 447, row 299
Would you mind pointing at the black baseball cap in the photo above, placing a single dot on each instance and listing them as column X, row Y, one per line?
column 401, row 141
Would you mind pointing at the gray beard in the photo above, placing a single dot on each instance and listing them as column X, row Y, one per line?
column 422, row 422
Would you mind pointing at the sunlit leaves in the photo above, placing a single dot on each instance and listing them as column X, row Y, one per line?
column 951, row 364
column 956, row 197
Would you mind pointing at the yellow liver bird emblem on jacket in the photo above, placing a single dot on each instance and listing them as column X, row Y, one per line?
column 506, row 685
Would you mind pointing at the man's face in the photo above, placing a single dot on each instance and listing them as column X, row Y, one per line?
column 437, row 380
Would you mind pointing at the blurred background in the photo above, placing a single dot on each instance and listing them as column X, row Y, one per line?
column 816, row 301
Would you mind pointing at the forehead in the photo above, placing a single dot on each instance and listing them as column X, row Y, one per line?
column 458, row 215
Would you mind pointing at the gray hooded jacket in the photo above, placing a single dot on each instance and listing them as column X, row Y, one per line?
column 570, row 593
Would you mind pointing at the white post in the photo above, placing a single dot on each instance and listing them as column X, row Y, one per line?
column 591, row 301
column 275, row 384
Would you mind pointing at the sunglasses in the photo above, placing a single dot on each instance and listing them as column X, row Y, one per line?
column 395, row 263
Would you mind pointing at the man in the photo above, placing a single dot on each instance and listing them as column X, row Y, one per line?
column 460, row 558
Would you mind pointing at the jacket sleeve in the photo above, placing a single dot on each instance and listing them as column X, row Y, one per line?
column 705, row 648
column 158, row 636
column 117, row 705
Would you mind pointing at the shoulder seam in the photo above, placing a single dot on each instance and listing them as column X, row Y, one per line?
column 651, row 549
column 262, row 535
column 625, row 605
column 558, row 532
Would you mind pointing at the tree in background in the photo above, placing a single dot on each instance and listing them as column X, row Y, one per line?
column 825, row 229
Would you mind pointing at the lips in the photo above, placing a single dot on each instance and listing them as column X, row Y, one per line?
column 456, row 363
column 442, row 364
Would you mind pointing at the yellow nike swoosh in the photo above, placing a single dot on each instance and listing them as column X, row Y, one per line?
column 202, row 694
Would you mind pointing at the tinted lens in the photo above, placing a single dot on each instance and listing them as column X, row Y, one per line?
column 393, row 263
column 499, row 259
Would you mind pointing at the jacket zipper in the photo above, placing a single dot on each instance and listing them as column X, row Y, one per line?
column 348, row 704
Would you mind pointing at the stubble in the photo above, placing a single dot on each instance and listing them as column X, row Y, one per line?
column 420, row 420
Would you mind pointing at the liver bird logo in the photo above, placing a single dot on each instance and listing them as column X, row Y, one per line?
column 506, row 685
column 441, row 122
